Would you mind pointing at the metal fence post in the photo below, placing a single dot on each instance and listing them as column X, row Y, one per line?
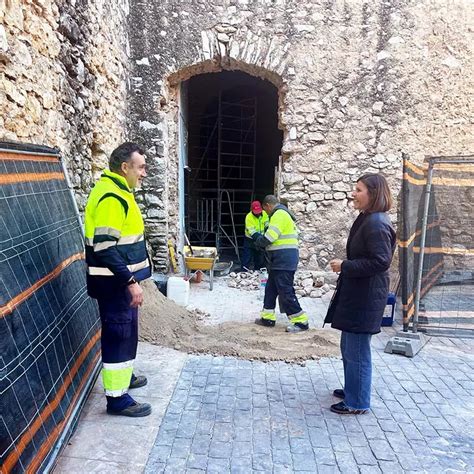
column 424, row 223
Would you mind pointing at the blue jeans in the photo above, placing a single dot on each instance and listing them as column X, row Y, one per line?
column 357, row 360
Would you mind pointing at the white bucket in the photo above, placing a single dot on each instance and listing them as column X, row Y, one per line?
column 177, row 289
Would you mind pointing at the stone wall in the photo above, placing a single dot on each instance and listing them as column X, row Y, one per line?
column 63, row 67
column 359, row 82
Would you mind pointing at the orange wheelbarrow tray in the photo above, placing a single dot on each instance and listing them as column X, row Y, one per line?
column 203, row 258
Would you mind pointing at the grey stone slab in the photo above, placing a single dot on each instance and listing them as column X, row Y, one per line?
column 218, row 465
column 346, row 462
column 382, row 450
column 220, row 449
column 282, row 456
column 340, row 443
column 197, row 461
column 262, row 462
column 304, row 462
column 301, row 446
column 175, row 465
column 364, row 456
column 320, row 438
column 324, row 456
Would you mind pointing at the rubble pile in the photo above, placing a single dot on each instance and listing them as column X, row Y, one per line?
column 314, row 283
column 244, row 280
column 307, row 283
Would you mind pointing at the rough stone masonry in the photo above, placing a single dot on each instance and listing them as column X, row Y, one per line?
column 359, row 84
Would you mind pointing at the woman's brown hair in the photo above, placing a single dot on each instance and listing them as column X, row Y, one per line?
column 379, row 192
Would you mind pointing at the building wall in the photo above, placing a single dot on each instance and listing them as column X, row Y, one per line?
column 359, row 82
column 63, row 72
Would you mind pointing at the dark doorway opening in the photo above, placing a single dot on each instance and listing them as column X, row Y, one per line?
column 233, row 150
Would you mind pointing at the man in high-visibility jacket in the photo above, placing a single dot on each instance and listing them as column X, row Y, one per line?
column 281, row 244
column 255, row 225
column 117, row 261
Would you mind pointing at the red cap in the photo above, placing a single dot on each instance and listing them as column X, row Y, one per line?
column 256, row 207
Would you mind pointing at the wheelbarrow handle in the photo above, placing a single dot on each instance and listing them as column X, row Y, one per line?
column 189, row 243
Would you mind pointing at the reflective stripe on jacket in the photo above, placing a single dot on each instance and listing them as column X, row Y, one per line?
column 282, row 234
column 115, row 246
column 255, row 223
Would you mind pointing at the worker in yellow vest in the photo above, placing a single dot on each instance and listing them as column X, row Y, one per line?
column 281, row 244
column 117, row 261
column 255, row 225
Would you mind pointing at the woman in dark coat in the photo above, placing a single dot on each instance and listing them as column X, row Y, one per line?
column 361, row 294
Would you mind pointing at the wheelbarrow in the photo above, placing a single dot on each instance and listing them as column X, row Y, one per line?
column 201, row 258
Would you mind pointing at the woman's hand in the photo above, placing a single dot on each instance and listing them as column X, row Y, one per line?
column 336, row 265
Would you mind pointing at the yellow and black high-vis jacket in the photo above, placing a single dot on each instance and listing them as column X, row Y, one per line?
column 280, row 240
column 115, row 245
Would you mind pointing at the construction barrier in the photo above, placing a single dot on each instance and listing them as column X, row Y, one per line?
column 49, row 327
column 436, row 223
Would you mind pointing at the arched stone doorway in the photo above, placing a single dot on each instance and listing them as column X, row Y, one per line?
column 229, row 153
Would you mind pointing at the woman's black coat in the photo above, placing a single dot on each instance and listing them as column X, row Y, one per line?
column 361, row 294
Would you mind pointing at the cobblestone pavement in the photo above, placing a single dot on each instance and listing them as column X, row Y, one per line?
column 229, row 415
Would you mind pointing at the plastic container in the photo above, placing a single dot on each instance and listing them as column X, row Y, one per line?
column 263, row 283
column 178, row 290
column 387, row 319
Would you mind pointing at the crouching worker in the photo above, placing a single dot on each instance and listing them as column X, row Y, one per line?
column 117, row 260
column 281, row 244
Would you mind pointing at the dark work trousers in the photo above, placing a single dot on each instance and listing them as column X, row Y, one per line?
column 251, row 254
column 119, row 337
column 280, row 283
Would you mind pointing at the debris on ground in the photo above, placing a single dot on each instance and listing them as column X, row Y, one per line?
column 164, row 323
column 244, row 280
column 314, row 284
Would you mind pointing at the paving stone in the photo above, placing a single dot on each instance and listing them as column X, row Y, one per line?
column 324, row 456
column 346, row 462
column 262, row 462
column 218, row 465
column 283, row 469
column 382, row 450
column 200, row 444
column 176, row 465
column 282, row 456
column 369, row 469
column 301, row 446
column 373, row 432
column 197, row 461
column 364, row 456
column 319, row 438
column 304, row 462
column 181, row 448
column 241, row 462
column 220, row 449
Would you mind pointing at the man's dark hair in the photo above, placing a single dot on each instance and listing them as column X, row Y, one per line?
column 270, row 199
column 122, row 154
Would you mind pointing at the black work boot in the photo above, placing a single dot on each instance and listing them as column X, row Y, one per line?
column 265, row 322
column 138, row 381
column 339, row 393
column 135, row 410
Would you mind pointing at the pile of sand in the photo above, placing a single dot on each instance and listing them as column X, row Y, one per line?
column 164, row 323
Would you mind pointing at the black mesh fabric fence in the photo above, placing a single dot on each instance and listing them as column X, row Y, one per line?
column 440, row 195
column 49, row 327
